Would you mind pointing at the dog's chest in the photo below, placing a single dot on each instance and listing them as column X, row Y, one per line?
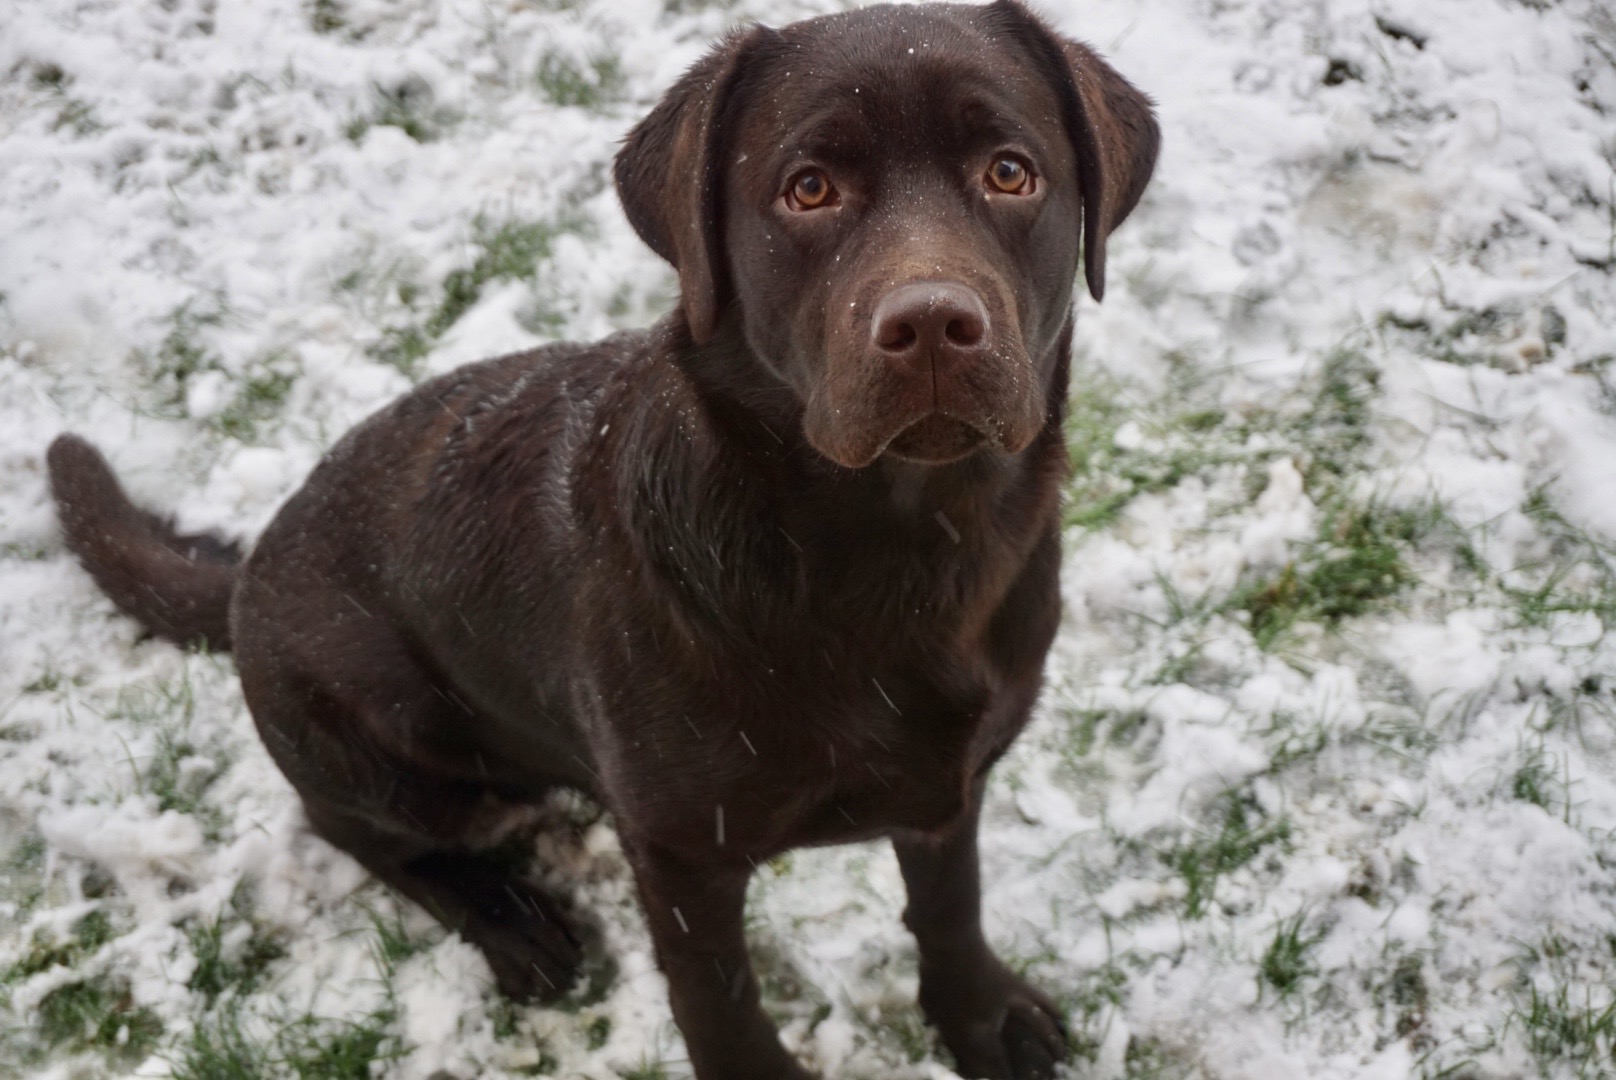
column 911, row 777
column 801, row 768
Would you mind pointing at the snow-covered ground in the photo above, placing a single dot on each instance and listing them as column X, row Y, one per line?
column 1324, row 783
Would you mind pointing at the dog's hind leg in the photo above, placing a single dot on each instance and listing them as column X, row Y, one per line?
column 520, row 928
column 372, row 744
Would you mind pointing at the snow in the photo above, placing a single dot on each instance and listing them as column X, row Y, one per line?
column 1426, row 185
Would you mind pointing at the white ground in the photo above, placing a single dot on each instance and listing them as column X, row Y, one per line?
column 1366, row 310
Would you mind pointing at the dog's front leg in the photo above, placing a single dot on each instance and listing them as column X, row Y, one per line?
column 695, row 914
column 996, row 1025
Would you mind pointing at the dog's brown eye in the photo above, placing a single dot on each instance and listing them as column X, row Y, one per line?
column 1011, row 176
column 810, row 190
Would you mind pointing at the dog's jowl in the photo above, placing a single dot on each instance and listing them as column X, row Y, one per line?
column 780, row 570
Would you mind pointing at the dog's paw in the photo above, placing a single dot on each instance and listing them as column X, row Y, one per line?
column 1033, row 1038
column 530, row 945
column 997, row 1026
column 783, row 1068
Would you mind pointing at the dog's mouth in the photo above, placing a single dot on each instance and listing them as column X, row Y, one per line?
column 936, row 439
column 866, row 406
column 925, row 436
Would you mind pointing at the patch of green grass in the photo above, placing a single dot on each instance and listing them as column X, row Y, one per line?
column 27, row 552
column 178, row 775
column 317, row 1050
column 1289, row 740
column 48, row 76
column 507, row 1018
column 1107, row 477
column 1508, row 337
column 1095, row 727
column 1580, row 577
column 307, row 1048
column 391, row 941
column 1184, row 666
column 508, row 1025
column 98, row 1014
column 93, row 931
column 1567, row 1028
column 1148, row 1058
column 327, row 16
column 259, row 399
column 47, row 681
column 221, row 968
column 1536, row 780
column 22, row 871
column 683, row 7
column 1084, row 729
column 177, row 772
column 407, row 106
column 589, row 85
column 181, row 353
column 1602, row 368
column 1244, row 832
column 77, row 116
column 402, row 347
column 898, row 1026
column 1335, row 426
column 73, row 114
column 44, row 952
column 1285, row 963
column 218, row 1048
column 204, row 158
column 1405, row 997
column 1558, row 594
column 1088, row 1008
column 506, row 251
column 1356, row 562
column 1592, row 698
column 787, row 992
column 908, row 1028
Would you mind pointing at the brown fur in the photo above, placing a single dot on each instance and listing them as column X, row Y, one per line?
column 787, row 560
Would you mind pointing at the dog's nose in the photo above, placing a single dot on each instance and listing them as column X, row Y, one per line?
column 930, row 325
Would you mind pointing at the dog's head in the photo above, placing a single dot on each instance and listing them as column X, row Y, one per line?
column 888, row 204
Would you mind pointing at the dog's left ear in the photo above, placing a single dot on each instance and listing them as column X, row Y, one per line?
column 1111, row 124
column 668, row 178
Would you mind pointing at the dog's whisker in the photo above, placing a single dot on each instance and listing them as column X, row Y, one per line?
column 885, row 697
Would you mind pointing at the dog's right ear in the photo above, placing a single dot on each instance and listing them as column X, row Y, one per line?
column 668, row 176
column 1112, row 126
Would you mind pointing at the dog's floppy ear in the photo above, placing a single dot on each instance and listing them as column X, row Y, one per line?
column 668, row 176
column 1111, row 124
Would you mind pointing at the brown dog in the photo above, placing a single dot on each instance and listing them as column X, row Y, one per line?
column 779, row 571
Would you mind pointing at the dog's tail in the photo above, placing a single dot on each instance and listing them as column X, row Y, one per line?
column 177, row 587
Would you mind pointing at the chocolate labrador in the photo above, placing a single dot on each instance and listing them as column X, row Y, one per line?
column 780, row 570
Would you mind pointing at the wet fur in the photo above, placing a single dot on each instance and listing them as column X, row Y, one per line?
column 622, row 568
